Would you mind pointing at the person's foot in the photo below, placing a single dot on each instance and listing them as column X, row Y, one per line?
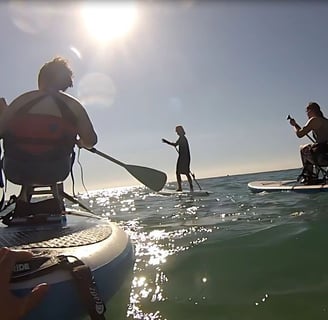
column 179, row 189
column 309, row 181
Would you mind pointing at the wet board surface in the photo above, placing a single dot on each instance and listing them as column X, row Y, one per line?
column 285, row 185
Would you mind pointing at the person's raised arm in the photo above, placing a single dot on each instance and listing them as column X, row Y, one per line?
column 174, row 144
column 309, row 126
column 86, row 132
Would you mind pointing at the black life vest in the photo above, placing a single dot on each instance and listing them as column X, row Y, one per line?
column 34, row 137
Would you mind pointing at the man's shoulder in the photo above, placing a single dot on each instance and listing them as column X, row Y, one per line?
column 31, row 93
column 69, row 99
column 26, row 96
column 316, row 123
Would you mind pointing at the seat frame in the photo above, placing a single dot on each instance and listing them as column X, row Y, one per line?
column 55, row 191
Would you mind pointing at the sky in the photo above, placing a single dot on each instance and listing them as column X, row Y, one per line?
column 229, row 72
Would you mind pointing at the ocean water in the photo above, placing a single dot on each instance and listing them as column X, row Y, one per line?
column 232, row 255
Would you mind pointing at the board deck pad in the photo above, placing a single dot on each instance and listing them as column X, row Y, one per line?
column 78, row 232
column 285, row 185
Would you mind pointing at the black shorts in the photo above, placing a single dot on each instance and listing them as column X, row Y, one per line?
column 39, row 173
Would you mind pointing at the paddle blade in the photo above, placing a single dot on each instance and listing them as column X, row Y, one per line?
column 151, row 178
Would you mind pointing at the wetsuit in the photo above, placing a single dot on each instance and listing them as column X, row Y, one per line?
column 183, row 163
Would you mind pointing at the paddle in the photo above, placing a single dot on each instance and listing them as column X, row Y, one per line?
column 151, row 178
column 74, row 200
column 193, row 175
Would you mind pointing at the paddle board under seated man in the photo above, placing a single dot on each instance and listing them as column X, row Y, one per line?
column 184, row 158
column 39, row 130
column 313, row 155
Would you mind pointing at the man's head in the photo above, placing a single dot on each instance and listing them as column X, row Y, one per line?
column 179, row 130
column 313, row 109
column 55, row 75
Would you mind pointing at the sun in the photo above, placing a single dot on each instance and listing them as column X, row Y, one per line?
column 109, row 20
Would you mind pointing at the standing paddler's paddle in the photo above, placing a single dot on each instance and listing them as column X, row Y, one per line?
column 193, row 175
column 151, row 178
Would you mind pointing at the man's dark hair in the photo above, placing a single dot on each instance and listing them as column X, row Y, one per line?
column 56, row 74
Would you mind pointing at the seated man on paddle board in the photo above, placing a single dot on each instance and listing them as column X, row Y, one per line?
column 312, row 154
column 11, row 306
column 183, row 163
column 40, row 128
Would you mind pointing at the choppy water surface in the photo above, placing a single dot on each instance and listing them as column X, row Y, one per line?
column 231, row 255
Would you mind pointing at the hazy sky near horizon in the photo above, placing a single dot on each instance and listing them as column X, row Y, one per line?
column 228, row 71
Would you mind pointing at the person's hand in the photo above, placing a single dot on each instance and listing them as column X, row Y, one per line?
column 292, row 122
column 164, row 140
column 79, row 143
column 82, row 145
column 11, row 306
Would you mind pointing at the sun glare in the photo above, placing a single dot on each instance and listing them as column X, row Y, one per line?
column 107, row 21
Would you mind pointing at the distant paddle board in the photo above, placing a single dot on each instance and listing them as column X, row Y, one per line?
column 195, row 193
column 285, row 185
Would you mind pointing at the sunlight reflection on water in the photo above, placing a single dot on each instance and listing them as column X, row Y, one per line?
column 152, row 250
column 153, row 246
column 215, row 253
column 163, row 229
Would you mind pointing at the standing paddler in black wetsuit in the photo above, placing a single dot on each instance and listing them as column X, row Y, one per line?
column 40, row 129
column 183, row 163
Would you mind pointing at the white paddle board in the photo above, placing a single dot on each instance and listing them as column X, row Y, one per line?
column 285, row 185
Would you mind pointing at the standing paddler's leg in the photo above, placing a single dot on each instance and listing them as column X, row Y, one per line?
column 179, row 181
column 190, row 182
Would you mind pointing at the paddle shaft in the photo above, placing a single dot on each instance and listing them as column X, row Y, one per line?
column 106, row 156
column 289, row 118
column 151, row 178
column 74, row 200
